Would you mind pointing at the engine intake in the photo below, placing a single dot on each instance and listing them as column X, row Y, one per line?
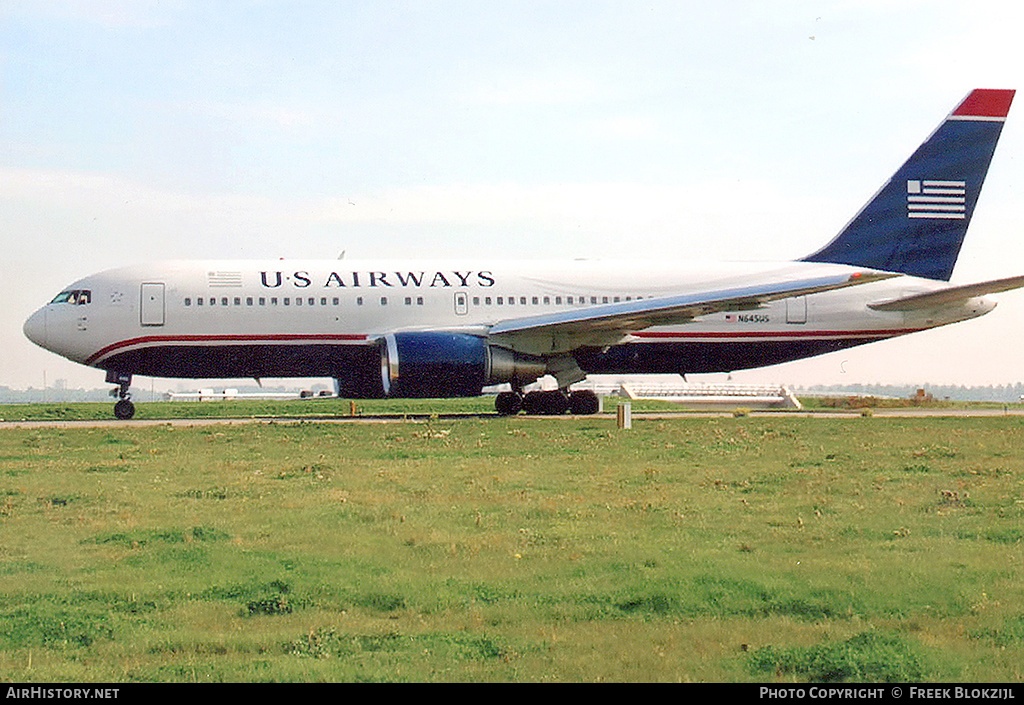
column 438, row 364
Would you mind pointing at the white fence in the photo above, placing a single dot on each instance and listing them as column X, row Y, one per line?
column 695, row 395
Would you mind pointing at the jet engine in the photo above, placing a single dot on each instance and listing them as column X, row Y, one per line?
column 439, row 364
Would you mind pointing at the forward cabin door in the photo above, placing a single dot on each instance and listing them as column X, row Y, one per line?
column 151, row 308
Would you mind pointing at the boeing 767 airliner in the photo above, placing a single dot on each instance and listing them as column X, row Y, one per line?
column 451, row 328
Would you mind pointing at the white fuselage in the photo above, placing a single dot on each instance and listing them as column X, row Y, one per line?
column 179, row 319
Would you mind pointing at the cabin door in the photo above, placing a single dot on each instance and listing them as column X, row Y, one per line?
column 796, row 309
column 151, row 308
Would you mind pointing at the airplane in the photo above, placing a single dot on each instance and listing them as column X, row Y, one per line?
column 441, row 328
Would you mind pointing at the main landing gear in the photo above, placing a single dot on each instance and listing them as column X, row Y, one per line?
column 123, row 409
column 547, row 403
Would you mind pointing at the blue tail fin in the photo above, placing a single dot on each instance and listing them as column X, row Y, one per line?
column 916, row 223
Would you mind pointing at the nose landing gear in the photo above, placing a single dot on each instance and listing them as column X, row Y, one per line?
column 123, row 409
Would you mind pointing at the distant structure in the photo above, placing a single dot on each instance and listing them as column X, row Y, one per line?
column 921, row 397
column 232, row 394
column 705, row 396
column 673, row 388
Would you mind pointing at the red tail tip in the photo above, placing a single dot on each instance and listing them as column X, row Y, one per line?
column 986, row 102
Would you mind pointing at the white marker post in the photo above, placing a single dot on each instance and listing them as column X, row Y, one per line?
column 624, row 415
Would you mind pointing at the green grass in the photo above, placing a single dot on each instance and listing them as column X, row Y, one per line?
column 488, row 549
column 316, row 408
column 330, row 409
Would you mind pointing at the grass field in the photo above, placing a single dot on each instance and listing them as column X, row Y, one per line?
column 488, row 549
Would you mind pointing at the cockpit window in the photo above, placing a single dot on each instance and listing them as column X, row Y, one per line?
column 76, row 297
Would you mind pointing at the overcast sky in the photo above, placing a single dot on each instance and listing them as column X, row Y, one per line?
column 136, row 130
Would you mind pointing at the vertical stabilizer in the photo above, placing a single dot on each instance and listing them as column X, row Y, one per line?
column 916, row 223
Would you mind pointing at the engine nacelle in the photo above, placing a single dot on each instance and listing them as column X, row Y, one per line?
column 437, row 364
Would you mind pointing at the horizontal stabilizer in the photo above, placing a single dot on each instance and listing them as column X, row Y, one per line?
column 953, row 294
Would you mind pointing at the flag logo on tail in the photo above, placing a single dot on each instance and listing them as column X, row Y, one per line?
column 937, row 199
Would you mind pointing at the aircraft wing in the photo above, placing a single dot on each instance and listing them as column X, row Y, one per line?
column 612, row 321
column 949, row 295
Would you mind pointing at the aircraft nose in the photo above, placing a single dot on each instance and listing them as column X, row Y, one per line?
column 35, row 328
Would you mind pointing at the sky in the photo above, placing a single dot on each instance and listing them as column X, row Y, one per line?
column 140, row 130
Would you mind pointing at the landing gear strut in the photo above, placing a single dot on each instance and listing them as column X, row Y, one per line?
column 123, row 409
